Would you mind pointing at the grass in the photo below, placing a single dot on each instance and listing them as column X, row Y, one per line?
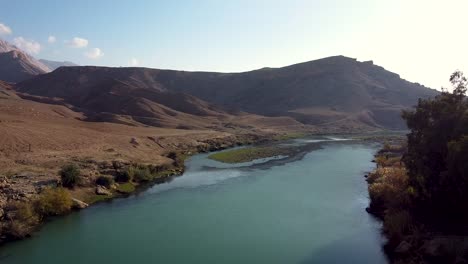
column 290, row 136
column 248, row 154
column 98, row 198
column 126, row 188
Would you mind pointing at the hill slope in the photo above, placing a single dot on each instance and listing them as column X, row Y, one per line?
column 52, row 65
column 16, row 65
column 129, row 96
column 334, row 91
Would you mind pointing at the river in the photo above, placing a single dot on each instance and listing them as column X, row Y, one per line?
column 308, row 210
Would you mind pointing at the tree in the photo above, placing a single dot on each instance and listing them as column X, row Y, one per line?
column 437, row 148
column 70, row 175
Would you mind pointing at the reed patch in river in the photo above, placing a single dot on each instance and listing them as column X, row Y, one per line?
column 251, row 153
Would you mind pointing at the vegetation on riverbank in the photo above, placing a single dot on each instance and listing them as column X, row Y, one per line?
column 85, row 182
column 249, row 154
column 419, row 189
column 24, row 216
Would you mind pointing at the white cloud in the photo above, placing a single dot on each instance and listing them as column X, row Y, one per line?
column 94, row 53
column 77, row 42
column 4, row 29
column 51, row 39
column 133, row 62
column 30, row 46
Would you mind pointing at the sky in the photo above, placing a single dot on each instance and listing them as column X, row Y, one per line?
column 423, row 41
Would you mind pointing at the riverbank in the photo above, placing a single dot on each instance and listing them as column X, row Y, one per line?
column 100, row 180
column 306, row 209
column 409, row 238
column 104, row 180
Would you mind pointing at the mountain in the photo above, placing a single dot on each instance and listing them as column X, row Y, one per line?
column 125, row 95
column 330, row 92
column 16, row 65
column 317, row 92
column 52, row 65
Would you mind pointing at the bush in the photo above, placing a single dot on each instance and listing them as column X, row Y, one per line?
column 178, row 159
column 159, row 168
column 142, row 174
column 53, row 201
column 70, row 175
column 106, row 181
column 388, row 188
column 23, row 220
column 124, row 176
column 172, row 155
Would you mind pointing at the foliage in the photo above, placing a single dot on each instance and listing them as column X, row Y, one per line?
column 70, row 175
column 141, row 173
column 23, row 219
column 126, row 175
column 388, row 188
column 178, row 159
column 106, row 181
column 436, row 158
column 159, row 168
column 53, row 201
column 248, row 154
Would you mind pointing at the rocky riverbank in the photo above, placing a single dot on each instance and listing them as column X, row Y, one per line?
column 21, row 193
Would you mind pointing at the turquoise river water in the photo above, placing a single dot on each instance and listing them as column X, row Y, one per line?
column 308, row 210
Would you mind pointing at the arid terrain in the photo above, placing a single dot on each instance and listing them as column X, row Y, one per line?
column 111, row 121
column 37, row 139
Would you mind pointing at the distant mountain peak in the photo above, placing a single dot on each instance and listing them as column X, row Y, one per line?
column 16, row 65
column 6, row 47
column 57, row 64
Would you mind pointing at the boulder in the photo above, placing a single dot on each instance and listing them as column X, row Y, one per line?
column 78, row 204
column 119, row 164
column 101, row 190
column 105, row 165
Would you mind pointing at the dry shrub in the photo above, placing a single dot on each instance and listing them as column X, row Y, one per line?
column 53, row 201
column 388, row 188
column 388, row 161
column 23, row 219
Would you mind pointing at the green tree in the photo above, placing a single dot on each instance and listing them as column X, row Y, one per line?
column 437, row 150
column 70, row 175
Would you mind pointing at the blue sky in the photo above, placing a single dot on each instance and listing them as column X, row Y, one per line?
column 420, row 40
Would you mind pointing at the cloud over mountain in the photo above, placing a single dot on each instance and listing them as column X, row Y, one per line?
column 94, row 53
column 78, row 42
column 30, row 46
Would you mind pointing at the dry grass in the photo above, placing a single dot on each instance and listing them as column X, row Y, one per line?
column 389, row 194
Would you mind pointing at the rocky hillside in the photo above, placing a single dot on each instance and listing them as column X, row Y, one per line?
column 333, row 91
column 16, row 65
